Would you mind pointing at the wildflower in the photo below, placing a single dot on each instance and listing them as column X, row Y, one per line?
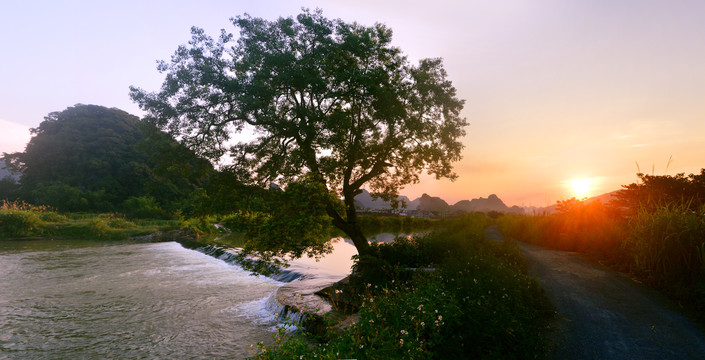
column 404, row 332
column 420, row 307
column 362, row 346
column 372, row 321
column 423, row 323
column 338, row 291
column 440, row 317
column 401, row 341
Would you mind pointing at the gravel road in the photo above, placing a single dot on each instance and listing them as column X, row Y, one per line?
column 606, row 315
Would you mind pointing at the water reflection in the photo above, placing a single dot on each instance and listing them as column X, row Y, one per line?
column 338, row 264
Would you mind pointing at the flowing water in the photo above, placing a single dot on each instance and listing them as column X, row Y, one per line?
column 74, row 299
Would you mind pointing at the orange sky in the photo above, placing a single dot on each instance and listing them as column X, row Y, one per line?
column 555, row 90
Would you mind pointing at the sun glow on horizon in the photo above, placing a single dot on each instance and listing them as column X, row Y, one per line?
column 581, row 188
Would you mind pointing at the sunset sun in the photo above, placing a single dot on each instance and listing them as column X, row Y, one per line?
column 581, row 187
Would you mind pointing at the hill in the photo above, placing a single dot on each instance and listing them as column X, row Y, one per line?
column 427, row 203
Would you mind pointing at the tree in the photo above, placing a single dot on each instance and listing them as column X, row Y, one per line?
column 92, row 158
column 654, row 191
column 330, row 100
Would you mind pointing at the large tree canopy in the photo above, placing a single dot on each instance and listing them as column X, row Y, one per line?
column 327, row 99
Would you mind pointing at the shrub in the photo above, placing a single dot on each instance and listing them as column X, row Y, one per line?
column 19, row 223
column 143, row 207
column 479, row 303
column 52, row 217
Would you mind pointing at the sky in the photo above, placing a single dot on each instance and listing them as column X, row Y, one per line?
column 556, row 90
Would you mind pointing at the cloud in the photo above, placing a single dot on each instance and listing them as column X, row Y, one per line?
column 13, row 137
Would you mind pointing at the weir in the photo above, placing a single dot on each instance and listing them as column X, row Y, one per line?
column 230, row 257
column 295, row 302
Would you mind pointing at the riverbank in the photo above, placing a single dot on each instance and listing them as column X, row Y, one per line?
column 20, row 221
column 477, row 302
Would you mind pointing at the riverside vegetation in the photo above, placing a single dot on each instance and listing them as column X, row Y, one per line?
column 22, row 220
column 450, row 294
column 654, row 230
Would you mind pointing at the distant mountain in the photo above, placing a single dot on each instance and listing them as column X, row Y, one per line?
column 427, row 203
column 432, row 204
column 491, row 203
column 604, row 198
column 365, row 201
column 5, row 173
column 463, row 205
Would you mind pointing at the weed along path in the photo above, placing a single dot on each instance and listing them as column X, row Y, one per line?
column 603, row 314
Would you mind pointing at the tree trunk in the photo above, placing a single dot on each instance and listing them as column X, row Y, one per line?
column 350, row 226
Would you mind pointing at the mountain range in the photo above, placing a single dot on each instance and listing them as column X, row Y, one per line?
column 365, row 201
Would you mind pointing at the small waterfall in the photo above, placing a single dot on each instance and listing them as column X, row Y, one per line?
column 231, row 257
column 288, row 314
column 284, row 313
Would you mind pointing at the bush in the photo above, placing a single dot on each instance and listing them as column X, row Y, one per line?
column 143, row 207
column 19, row 223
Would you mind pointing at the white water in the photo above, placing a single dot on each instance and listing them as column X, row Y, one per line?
column 92, row 300
column 130, row 301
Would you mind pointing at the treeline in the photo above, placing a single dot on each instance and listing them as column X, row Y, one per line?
column 653, row 229
column 90, row 158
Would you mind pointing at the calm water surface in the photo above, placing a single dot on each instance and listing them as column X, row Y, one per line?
column 75, row 300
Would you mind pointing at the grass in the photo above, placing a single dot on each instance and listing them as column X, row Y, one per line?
column 478, row 303
column 21, row 220
column 662, row 246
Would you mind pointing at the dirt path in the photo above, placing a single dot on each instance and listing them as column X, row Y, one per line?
column 606, row 315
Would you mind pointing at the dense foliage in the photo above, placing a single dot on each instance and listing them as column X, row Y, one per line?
column 655, row 229
column 92, row 158
column 20, row 220
column 654, row 191
column 478, row 304
column 326, row 98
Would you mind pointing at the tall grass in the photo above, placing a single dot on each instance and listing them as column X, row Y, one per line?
column 666, row 248
column 662, row 246
column 22, row 220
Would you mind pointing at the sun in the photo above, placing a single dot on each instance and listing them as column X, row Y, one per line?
column 581, row 187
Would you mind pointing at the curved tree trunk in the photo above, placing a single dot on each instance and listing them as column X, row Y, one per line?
column 350, row 226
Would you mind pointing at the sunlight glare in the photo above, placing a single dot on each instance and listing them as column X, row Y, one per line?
column 581, row 187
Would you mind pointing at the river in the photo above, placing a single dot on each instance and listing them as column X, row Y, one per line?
column 90, row 300
column 73, row 299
